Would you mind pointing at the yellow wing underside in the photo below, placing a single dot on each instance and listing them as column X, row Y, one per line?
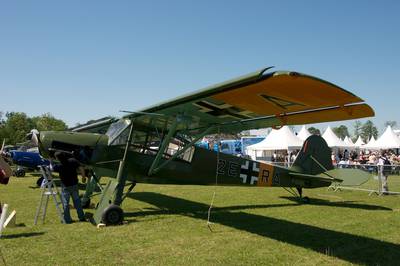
column 264, row 100
column 286, row 94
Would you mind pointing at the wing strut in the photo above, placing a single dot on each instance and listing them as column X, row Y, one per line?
column 178, row 153
column 121, row 176
column 164, row 144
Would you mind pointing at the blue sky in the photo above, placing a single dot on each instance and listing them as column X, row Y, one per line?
column 82, row 60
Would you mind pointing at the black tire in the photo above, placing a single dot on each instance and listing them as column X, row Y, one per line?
column 112, row 215
column 20, row 173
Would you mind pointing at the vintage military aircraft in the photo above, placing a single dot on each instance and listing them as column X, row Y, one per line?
column 26, row 160
column 157, row 144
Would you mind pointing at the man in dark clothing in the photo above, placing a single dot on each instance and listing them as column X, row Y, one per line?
column 385, row 170
column 67, row 170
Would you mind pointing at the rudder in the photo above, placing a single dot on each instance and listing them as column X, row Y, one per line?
column 314, row 157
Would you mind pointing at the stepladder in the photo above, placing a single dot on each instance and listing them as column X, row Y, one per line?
column 49, row 191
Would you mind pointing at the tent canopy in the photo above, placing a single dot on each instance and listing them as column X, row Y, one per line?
column 388, row 140
column 332, row 140
column 370, row 144
column 281, row 139
column 359, row 142
column 303, row 133
column 349, row 142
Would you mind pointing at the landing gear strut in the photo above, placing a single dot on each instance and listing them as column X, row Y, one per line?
column 91, row 186
column 299, row 194
column 108, row 211
column 303, row 199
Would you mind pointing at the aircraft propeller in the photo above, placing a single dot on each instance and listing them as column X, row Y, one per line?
column 33, row 137
column 2, row 146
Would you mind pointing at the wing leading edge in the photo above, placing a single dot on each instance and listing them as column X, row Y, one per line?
column 259, row 100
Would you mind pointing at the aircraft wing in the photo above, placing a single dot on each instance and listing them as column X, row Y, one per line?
column 95, row 126
column 259, row 100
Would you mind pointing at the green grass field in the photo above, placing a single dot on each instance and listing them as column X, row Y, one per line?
column 167, row 224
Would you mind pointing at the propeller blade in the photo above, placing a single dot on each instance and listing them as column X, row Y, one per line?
column 2, row 146
column 33, row 137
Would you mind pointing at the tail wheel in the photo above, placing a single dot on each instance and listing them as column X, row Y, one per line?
column 112, row 215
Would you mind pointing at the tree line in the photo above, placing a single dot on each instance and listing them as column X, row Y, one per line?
column 15, row 125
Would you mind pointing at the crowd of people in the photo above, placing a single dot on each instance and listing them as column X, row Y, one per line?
column 286, row 158
column 382, row 163
column 349, row 158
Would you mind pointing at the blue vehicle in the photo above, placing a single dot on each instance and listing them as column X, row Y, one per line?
column 26, row 160
column 237, row 147
column 230, row 146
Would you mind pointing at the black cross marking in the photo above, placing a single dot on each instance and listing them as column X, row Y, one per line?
column 217, row 111
column 284, row 104
column 247, row 171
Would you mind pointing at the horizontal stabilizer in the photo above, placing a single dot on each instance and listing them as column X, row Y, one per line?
column 350, row 177
column 321, row 177
column 346, row 177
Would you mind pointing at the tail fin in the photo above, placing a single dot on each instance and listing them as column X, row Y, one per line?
column 314, row 157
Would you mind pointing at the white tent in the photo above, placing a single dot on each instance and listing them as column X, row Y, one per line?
column 370, row 144
column 332, row 140
column 388, row 140
column 303, row 133
column 359, row 142
column 349, row 142
column 281, row 139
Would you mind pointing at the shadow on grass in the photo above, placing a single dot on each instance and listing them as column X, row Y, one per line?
column 345, row 246
column 35, row 174
column 12, row 236
column 342, row 204
column 192, row 208
column 57, row 182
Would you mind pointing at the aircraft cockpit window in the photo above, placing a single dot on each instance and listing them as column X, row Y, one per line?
column 115, row 131
column 176, row 146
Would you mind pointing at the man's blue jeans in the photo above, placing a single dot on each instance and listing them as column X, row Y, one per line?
column 66, row 193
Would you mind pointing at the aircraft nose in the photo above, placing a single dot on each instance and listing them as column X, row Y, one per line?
column 33, row 137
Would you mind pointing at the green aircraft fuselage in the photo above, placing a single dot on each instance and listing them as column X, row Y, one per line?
column 201, row 168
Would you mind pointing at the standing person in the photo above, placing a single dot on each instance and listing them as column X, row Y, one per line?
column 345, row 155
column 294, row 155
column 67, row 170
column 384, row 167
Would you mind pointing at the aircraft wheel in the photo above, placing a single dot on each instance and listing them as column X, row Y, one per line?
column 306, row 200
column 20, row 173
column 85, row 203
column 112, row 215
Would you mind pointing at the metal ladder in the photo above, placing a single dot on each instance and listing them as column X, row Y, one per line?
column 49, row 189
